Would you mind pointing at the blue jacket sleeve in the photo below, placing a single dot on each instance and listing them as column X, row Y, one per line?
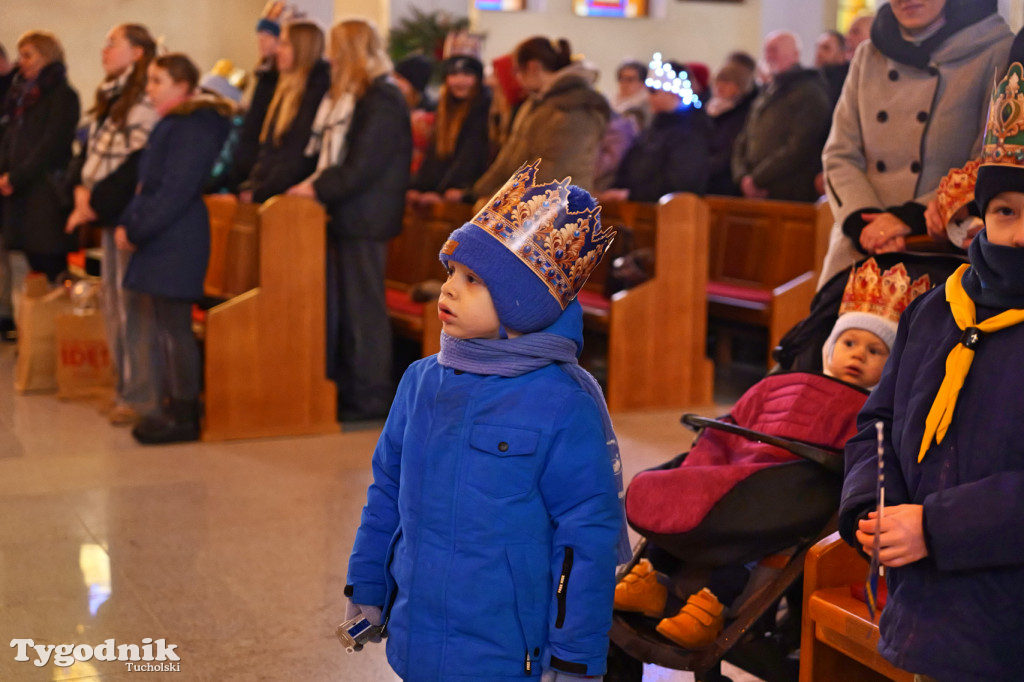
column 578, row 487
column 193, row 149
column 379, row 521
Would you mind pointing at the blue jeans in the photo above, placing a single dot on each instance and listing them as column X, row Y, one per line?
column 129, row 331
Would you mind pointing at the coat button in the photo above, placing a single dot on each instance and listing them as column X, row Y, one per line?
column 915, row 167
column 882, row 117
column 894, row 75
column 922, row 116
column 503, row 446
column 880, row 166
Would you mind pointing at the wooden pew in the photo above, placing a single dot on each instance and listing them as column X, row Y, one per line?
column 765, row 258
column 838, row 639
column 265, row 348
column 234, row 246
column 412, row 259
column 657, row 330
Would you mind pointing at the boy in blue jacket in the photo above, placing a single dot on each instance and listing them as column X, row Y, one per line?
column 488, row 543
column 950, row 404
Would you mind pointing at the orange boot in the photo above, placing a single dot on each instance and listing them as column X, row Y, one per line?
column 640, row 591
column 698, row 624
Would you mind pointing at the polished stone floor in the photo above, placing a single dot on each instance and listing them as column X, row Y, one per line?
column 233, row 552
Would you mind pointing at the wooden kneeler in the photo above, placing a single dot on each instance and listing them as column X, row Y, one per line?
column 266, row 348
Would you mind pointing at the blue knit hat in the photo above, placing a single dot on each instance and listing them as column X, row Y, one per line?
column 534, row 246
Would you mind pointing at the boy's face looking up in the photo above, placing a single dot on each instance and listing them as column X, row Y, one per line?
column 1004, row 219
column 858, row 358
column 465, row 307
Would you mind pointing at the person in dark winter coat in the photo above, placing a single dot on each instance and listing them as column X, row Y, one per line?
column 362, row 182
column 732, row 95
column 779, row 151
column 42, row 112
column 268, row 33
column 473, row 551
column 458, row 154
column 912, row 107
column 167, row 226
column 304, row 77
column 952, row 533
column 671, row 154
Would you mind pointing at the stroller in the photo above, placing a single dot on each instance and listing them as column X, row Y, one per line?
column 762, row 480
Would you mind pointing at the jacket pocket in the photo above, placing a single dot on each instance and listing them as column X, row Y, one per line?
column 391, row 586
column 501, row 461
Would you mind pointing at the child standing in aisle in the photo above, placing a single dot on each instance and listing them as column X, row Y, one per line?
column 488, row 543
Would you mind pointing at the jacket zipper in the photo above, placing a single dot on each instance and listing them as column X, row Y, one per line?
column 528, row 665
column 563, row 586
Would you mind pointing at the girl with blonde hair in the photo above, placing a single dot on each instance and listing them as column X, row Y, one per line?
column 303, row 80
column 365, row 150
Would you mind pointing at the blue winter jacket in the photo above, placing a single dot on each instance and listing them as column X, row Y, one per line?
column 957, row 614
column 490, row 528
column 166, row 220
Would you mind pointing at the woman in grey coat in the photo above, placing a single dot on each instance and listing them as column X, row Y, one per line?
column 912, row 108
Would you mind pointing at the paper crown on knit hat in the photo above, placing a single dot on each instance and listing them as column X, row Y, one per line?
column 873, row 301
column 956, row 190
column 1002, row 149
column 534, row 245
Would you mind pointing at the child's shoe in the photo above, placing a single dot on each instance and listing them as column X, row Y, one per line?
column 641, row 591
column 698, row 624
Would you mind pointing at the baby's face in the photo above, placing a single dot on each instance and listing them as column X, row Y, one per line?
column 858, row 358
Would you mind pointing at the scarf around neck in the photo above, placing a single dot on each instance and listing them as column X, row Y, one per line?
column 959, row 360
column 886, row 34
column 25, row 94
column 527, row 353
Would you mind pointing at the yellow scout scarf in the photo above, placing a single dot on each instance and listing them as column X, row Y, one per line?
column 958, row 362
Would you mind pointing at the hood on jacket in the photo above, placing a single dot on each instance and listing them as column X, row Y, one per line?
column 959, row 15
column 572, row 88
column 218, row 105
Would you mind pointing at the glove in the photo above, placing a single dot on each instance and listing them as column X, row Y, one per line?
column 370, row 613
column 559, row 676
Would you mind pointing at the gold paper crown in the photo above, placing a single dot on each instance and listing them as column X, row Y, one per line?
column 535, row 222
column 884, row 295
column 1003, row 143
column 956, row 190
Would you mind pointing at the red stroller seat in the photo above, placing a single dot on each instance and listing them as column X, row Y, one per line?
column 757, row 480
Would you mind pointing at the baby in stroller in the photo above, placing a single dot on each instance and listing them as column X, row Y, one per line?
column 715, row 513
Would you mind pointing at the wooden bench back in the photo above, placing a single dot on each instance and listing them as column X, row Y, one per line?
column 761, row 244
column 266, row 348
column 412, row 255
column 234, row 246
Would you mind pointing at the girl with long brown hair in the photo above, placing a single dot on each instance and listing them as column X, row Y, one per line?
column 459, row 152
column 105, row 174
column 303, row 80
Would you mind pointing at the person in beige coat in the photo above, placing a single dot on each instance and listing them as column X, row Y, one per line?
column 561, row 122
column 912, row 108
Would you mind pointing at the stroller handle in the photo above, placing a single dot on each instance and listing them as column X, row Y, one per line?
column 828, row 458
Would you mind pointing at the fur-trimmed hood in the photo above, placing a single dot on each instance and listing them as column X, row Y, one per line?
column 203, row 101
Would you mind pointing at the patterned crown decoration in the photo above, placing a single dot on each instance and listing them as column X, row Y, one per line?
column 1004, row 129
column 956, row 190
column 534, row 222
column 885, row 295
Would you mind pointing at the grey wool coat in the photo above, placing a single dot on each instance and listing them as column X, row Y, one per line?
column 562, row 125
column 898, row 129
